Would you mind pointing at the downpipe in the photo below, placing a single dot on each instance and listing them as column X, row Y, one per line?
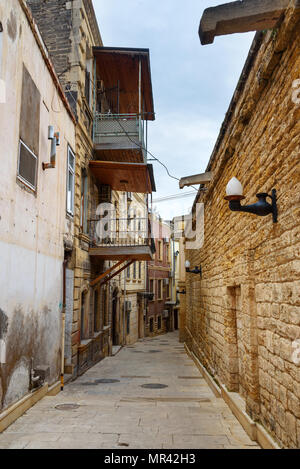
column 62, row 371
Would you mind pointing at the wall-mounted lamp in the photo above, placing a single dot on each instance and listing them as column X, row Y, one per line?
column 196, row 270
column 183, row 292
column 262, row 208
column 55, row 142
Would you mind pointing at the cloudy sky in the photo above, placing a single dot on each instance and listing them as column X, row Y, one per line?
column 192, row 84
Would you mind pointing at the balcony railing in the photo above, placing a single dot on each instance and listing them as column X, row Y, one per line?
column 120, row 232
column 125, row 131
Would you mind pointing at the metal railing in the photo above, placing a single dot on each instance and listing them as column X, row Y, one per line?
column 120, row 232
column 127, row 129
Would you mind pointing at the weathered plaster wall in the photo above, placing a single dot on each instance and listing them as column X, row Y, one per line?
column 244, row 314
column 32, row 224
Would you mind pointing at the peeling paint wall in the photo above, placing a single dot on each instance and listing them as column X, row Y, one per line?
column 33, row 224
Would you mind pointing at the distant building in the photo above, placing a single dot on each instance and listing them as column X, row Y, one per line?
column 110, row 92
column 159, row 320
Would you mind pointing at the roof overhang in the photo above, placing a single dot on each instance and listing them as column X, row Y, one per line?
column 120, row 67
column 128, row 177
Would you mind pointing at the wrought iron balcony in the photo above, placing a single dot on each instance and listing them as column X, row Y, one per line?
column 119, row 137
column 115, row 238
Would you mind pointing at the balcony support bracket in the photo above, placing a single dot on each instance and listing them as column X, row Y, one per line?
column 106, row 273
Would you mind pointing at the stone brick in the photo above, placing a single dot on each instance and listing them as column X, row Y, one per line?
column 251, row 267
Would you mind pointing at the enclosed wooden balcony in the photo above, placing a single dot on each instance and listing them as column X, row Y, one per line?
column 123, row 104
column 120, row 137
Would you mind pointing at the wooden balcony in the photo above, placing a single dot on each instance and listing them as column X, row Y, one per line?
column 119, row 137
column 123, row 104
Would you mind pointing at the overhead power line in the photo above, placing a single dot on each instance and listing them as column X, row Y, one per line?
column 151, row 154
column 175, row 196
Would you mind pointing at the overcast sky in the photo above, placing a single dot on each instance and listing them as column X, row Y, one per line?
column 192, row 84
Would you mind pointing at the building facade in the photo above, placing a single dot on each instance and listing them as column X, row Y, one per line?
column 35, row 117
column 110, row 92
column 159, row 319
column 242, row 317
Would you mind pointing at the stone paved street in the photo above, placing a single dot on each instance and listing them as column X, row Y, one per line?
column 121, row 415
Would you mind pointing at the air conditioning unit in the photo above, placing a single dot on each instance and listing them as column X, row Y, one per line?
column 166, row 313
column 166, row 281
column 128, row 306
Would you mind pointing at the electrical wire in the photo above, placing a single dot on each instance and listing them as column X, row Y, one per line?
column 149, row 152
column 172, row 197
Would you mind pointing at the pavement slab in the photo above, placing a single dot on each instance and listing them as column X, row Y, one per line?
column 124, row 415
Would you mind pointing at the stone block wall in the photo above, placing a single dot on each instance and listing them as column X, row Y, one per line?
column 243, row 316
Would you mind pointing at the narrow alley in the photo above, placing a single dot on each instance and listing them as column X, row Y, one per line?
column 150, row 395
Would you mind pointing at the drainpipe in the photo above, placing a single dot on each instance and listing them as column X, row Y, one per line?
column 63, row 327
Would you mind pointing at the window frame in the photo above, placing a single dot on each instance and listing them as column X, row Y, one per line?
column 160, row 294
column 71, row 170
column 160, row 250
column 22, row 179
column 84, row 190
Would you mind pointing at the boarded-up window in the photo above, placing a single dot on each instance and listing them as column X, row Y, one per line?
column 29, row 130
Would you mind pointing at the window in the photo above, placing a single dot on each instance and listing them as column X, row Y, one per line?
column 159, row 289
column 87, row 86
column 128, row 272
column 27, row 165
column 160, row 250
column 152, row 286
column 70, row 182
column 159, row 322
column 151, row 325
column 134, row 271
column 29, row 131
column 84, row 205
column 168, row 249
column 140, row 270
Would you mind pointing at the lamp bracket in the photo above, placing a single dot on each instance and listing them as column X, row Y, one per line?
column 261, row 208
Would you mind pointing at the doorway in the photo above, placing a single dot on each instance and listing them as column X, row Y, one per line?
column 176, row 319
column 115, row 334
column 82, row 315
